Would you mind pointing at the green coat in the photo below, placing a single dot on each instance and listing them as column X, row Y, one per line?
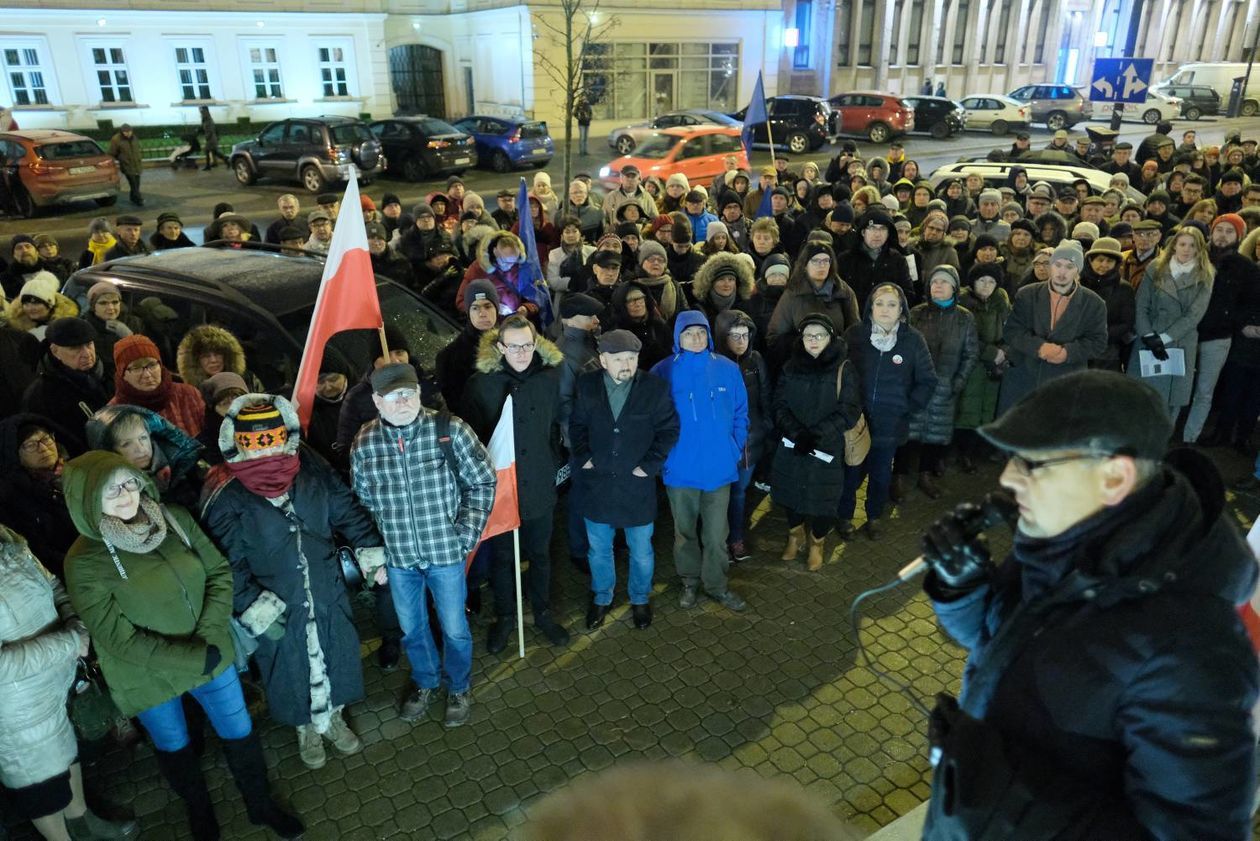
column 127, row 153
column 978, row 403
column 151, row 628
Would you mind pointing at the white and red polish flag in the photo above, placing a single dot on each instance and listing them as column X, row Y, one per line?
column 506, row 513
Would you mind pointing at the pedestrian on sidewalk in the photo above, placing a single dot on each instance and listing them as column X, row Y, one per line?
column 211, row 132
column 124, row 147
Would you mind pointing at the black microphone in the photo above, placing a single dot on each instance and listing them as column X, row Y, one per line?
column 996, row 508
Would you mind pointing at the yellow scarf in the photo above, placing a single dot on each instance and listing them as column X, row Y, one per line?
column 99, row 249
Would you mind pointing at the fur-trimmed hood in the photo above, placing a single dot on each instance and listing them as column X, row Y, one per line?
column 485, row 244
column 208, row 339
column 702, row 282
column 1050, row 217
column 489, row 356
column 62, row 307
column 1250, row 246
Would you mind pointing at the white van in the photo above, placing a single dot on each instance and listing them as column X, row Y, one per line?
column 1219, row 75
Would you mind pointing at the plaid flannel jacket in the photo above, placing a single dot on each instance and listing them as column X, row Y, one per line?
column 427, row 515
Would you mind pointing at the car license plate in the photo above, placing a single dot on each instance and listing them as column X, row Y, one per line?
column 346, row 169
column 461, row 161
column 81, row 170
column 539, row 151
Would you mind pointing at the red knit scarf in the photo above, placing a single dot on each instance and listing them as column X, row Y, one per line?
column 154, row 400
column 269, row 476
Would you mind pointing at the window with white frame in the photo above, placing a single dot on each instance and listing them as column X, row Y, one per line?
column 334, row 69
column 264, row 68
column 26, row 74
column 193, row 72
column 110, row 66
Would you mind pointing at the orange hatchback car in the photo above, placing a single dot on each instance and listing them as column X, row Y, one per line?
column 47, row 167
column 697, row 153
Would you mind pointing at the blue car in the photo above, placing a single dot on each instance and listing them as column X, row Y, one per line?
column 508, row 143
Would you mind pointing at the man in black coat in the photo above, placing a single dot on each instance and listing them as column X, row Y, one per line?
column 1110, row 682
column 70, row 382
column 621, row 430
column 515, row 361
column 874, row 260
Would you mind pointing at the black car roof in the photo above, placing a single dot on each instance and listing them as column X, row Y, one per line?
column 278, row 283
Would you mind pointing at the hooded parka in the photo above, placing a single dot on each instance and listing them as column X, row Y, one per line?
column 950, row 333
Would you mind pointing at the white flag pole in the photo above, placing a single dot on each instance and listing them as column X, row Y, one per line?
column 520, row 606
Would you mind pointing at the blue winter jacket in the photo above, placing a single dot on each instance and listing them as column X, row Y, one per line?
column 712, row 404
column 700, row 225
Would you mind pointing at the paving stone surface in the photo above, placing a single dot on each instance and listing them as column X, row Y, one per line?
column 778, row 689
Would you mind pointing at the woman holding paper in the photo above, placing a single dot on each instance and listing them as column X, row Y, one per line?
column 818, row 398
column 1171, row 300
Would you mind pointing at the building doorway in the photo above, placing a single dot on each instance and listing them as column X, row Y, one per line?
column 415, row 74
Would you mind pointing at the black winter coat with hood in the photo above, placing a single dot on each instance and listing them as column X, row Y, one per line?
column 864, row 272
column 756, row 382
column 34, row 508
column 1109, row 684
column 896, row 383
column 702, row 285
column 809, row 408
column 653, row 332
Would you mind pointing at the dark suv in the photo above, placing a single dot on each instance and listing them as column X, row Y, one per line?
column 1196, row 100
column 801, row 123
column 420, row 147
column 316, row 151
column 266, row 300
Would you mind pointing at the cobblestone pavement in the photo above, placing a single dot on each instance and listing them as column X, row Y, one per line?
column 774, row 689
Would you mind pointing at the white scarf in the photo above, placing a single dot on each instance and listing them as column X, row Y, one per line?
column 883, row 340
column 1178, row 268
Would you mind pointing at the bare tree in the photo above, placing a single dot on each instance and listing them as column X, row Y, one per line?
column 579, row 27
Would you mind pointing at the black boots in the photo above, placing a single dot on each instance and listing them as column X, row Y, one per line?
column 182, row 770
column 245, row 759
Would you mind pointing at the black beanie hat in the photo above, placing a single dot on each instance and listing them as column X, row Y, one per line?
column 18, row 239
column 985, row 241
column 842, row 212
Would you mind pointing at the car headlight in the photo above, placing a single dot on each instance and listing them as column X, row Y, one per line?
column 605, row 171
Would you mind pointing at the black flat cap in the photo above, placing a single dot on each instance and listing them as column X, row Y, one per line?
column 327, row 198
column 69, row 332
column 580, row 304
column 607, row 259
column 1102, row 411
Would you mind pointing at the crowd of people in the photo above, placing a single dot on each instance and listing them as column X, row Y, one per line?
column 807, row 333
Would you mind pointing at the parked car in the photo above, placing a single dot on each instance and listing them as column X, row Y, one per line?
column 420, row 147
column 1056, row 175
column 695, row 152
column 879, row 117
column 44, row 168
column 625, row 138
column 1196, row 100
column 801, row 123
column 266, row 300
column 316, row 151
column 995, row 112
column 1058, row 106
column 1158, row 106
column 508, row 143
column 936, row 115
column 1219, row 76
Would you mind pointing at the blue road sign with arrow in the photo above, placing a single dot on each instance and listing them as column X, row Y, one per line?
column 1121, row 80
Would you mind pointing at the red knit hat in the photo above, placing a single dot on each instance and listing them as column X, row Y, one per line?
column 366, row 203
column 130, row 348
column 658, row 223
column 1240, row 226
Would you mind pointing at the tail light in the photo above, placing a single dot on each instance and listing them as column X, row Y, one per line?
column 438, row 144
column 338, row 155
column 41, row 167
column 515, row 137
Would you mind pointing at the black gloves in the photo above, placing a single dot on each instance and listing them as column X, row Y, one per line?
column 213, row 658
column 956, row 550
column 1155, row 345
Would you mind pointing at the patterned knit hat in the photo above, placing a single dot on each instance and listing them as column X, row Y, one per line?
column 259, row 426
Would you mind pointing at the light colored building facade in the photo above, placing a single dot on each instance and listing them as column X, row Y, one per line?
column 977, row 46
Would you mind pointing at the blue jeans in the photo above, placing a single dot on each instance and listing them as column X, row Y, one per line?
column 446, row 583
column 604, row 568
column 879, row 466
column 735, row 508
column 223, row 702
column 584, row 133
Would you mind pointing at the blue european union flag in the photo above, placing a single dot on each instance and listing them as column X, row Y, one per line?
column 755, row 114
column 531, row 284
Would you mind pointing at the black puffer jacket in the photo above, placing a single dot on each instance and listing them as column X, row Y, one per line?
column 864, row 273
column 806, row 401
column 1110, row 681
column 756, row 382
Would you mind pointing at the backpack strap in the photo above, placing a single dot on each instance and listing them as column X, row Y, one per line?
column 446, row 445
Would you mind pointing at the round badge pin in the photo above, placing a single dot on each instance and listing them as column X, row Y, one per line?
column 897, row 359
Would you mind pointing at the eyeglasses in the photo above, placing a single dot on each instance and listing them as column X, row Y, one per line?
column 1026, row 466
column 34, row 445
column 130, row 486
column 815, row 337
column 145, row 368
column 401, row 395
column 820, row 261
column 738, row 335
column 528, row 347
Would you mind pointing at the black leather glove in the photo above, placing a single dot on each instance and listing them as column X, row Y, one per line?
column 805, row 441
column 213, row 658
column 1155, row 345
column 956, row 550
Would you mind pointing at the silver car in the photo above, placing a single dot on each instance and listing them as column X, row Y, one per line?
column 1058, row 106
column 626, row 138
